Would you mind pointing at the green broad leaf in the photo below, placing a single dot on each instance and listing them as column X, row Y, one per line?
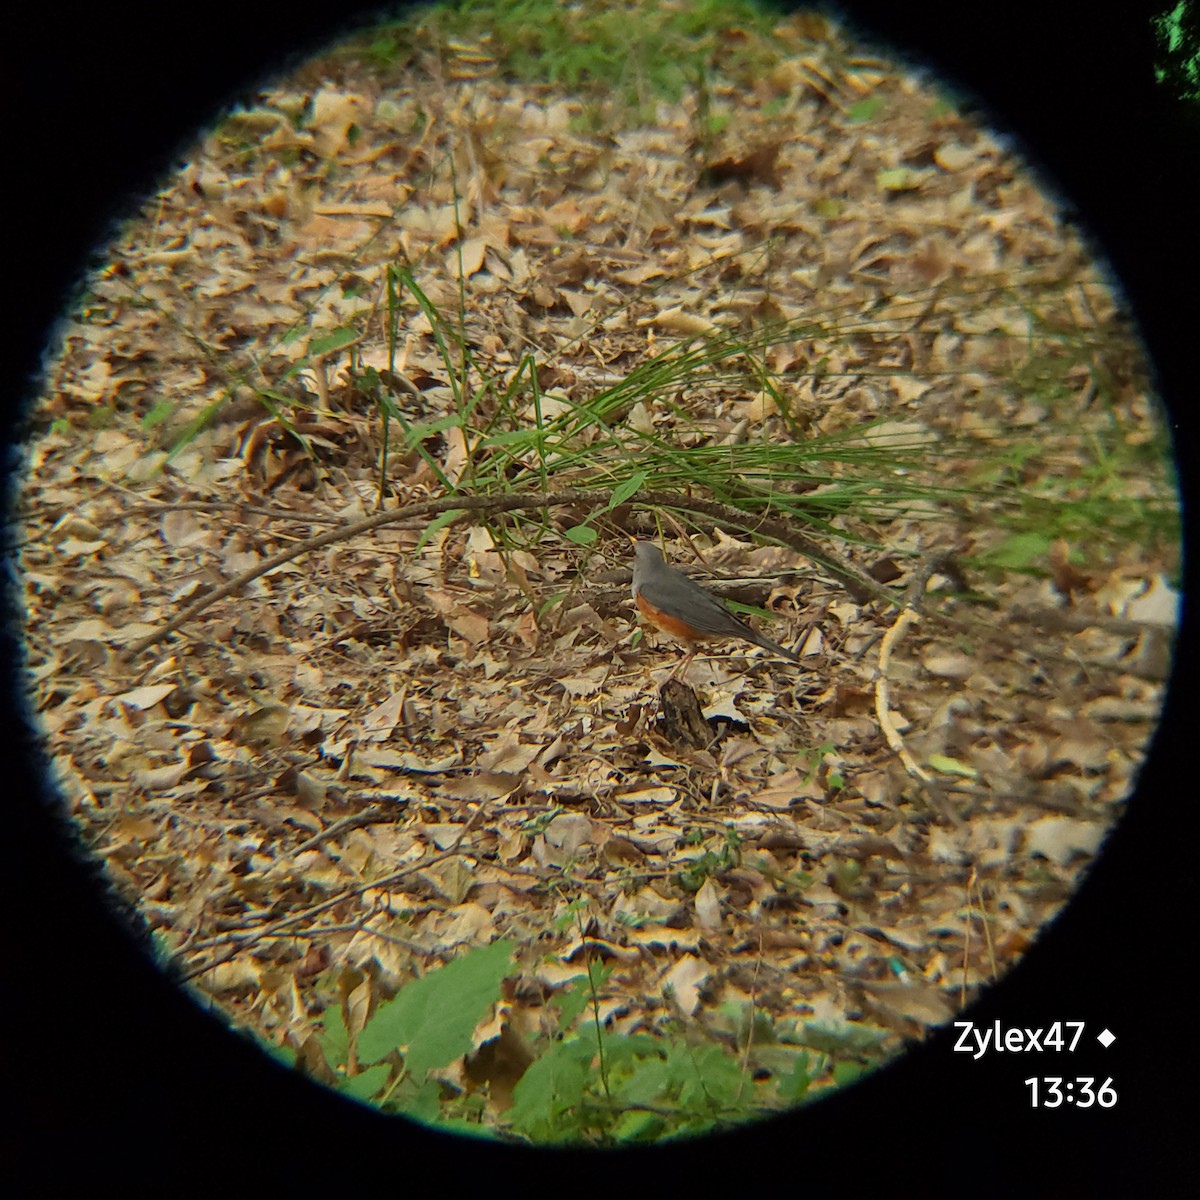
column 367, row 1083
column 333, row 341
column 952, row 766
column 794, row 1084
column 636, row 1126
column 648, row 1082
column 581, row 535
column 553, row 602
column 864, row 110
column 1019, row 551
column 431, row 1020
column 423, row 1104
column 335, row 1041
column 847, row 1072
column 571, row 1001
column 545, row 1100
column 704, row 1076
column 158, row 414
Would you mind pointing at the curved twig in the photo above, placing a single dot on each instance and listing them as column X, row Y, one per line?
column 882, row 714
column 597, row 499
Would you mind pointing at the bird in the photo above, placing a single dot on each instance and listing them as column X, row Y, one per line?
column 680, row 607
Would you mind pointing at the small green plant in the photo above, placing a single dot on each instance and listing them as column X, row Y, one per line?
column 586, row 1083
column 712, row 862
column 1177, row 33
column 424, row 1027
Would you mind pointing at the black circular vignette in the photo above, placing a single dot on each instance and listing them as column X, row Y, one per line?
column 113, row 1071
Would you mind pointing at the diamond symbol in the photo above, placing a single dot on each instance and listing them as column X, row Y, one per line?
column 1106, row 1039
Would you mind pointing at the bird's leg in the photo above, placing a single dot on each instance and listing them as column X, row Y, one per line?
column 682, row 665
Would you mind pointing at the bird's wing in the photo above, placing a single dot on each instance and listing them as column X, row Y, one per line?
column 690, row 602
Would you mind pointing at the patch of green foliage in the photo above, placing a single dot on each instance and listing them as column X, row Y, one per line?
column 711, row 862
column 586, row 1084
column 1177, row 32
column 591, row 45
